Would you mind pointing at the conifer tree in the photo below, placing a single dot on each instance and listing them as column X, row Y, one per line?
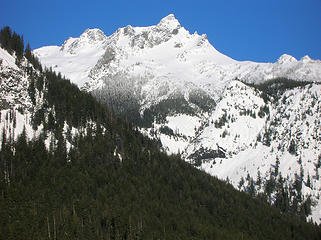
column 309, row 181
column 5, row 38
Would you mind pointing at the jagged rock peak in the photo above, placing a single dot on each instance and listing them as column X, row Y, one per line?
column 306, row 58
column 90, row 37
column 286, row 58
column 93, row 34
column 169, row 22
column 128, row 30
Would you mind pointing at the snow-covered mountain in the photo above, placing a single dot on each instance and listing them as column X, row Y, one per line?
column 226, row 117
column 163, row 52
column 77, row 56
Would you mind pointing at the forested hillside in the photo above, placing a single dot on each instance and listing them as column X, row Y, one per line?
column 89, row 175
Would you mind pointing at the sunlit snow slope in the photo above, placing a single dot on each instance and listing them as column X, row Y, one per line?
column 279, row 137
column 76, row 57
column 163, row 52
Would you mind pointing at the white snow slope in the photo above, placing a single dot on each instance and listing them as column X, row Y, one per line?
column 15, row 104
column 163, row 61
column 254, row 140
column 76, row 57
column 164, row 52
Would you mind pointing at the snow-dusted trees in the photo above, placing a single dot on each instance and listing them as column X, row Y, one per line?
column 292, row 147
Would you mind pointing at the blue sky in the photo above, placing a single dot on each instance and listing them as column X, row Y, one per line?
column 257, row 30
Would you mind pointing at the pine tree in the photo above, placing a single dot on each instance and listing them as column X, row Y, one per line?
column 292, row 147
column 241, row 183
column 277, row 164
column 12, row 42
column 259, row 179
column 251, row 188
column 319, row 162
column 309, row 181
column 28, row 53
column 301, row 172
column 5, row 39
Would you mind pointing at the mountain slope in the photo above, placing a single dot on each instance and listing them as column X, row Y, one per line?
column 224, row 116
column 16, row 105
column 138, row 70
column 77, row 56
column 264, row 135
column 114, row 183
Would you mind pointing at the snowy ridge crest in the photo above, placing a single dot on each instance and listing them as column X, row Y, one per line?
column 89, row 38
column 285, row 58
column 169, row 22
column 168, row 46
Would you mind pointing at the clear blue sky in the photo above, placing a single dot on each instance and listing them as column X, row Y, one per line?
column 257, row 30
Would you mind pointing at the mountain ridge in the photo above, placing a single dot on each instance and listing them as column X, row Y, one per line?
column 179, row 89
column 166, row 27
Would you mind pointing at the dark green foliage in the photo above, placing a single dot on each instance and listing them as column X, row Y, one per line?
column 202, row 100
column 174, row 105
column 276, row 168
column 269, row 186
column 225, row 133
column 166, row 130
column 126, row 105
column 273, row 89
column 241, row 183
column 32, row 58
column 309, row 182
column 32, row 91
column 319, row 161
column 287, row 198
column 292, row 147
column 267, row 137
column 205, row 154
column 5, row 38
column 12, row 42
column 250, row 186
column 121, row 104
column 147, row 195
column 248, row 112
column 70, row 105
column 282, row 200
column 264, row 111
column 221, row 121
